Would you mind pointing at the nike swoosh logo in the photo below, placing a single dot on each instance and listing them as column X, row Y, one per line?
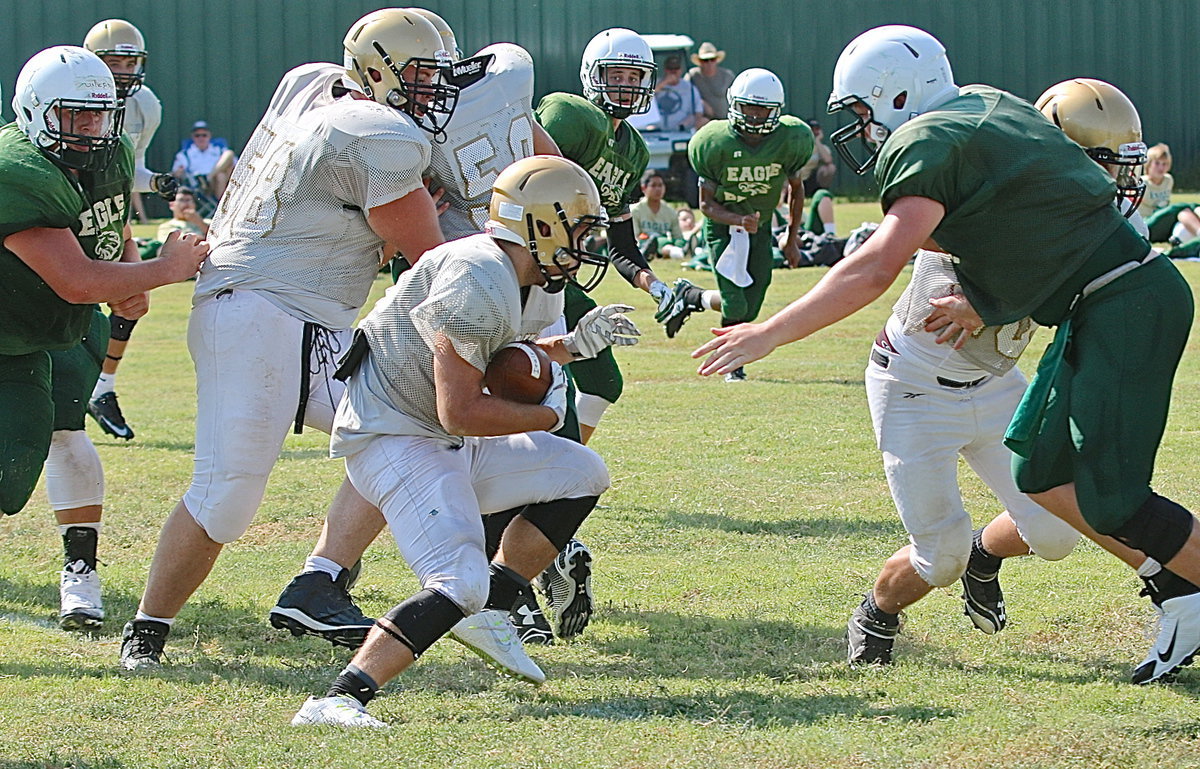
column 1164, row 657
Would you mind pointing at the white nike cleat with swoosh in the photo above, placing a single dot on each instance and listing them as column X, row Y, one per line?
column 1177, row 642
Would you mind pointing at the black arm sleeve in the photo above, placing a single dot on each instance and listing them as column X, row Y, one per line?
column 623, row 251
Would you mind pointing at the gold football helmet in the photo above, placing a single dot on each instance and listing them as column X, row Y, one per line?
column 550, row 205
column 117, row 37
column 448, row 39
column 383, row 47
column 1102, row 120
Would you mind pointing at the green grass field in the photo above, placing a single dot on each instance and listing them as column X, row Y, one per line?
column 743, row 525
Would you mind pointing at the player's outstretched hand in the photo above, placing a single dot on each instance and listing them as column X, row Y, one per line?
column 556, row 396
column 184, row 253
column 601, row 328
column 732, row 347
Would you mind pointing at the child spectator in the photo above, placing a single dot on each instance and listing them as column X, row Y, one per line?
column 655, row 221
column 1166, row 221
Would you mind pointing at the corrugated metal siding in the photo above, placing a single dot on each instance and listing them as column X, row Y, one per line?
column 220, row 59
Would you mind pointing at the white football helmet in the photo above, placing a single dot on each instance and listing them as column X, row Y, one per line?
column 117, row 37
column 66, row 103
column 448, row 38
column 760, row 88
column 896, row 73
column 618, row 47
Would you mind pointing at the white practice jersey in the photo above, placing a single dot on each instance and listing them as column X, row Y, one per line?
column 492, row 126
column 143, row 114
column 465, row 290
column 993, row 350
column 293, row 222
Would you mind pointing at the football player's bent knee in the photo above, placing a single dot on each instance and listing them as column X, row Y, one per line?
column 421, row 620
column 590, row 408
column 560, row 519
column 1049, row 538
column 74, row 475
column 1159, row 528
column 120, row 328
column 943, row 569
column 226, row 510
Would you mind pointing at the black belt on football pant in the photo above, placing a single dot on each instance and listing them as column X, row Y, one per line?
column 882, row 360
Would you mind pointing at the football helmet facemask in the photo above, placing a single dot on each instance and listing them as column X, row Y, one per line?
column 1100, row 118
column 117, row 37
column 618, row 48
column 885, row 77
column 381, row 46
column 66, row 103
column 551, row 206
column 759, row 88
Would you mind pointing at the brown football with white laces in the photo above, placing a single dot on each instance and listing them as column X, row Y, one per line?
column 519, row 371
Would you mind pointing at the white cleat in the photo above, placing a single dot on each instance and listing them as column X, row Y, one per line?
column 336, row 711
column 80, row 607
column 1177, row 642
column 491, row 635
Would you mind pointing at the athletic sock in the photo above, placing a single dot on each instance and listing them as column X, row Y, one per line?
column 878, row 614
column 142, row 616
column 107, row 383
column 354, row 683
column 316, row 563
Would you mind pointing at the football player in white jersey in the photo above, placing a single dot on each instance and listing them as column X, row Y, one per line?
column 425, row 442
column 329, row 181
column 122, row 47
column 492, row 127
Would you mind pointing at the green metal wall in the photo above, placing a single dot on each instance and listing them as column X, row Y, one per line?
column 220, row 59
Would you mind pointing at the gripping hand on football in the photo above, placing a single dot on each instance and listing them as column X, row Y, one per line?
column 556, row 396
column 685, row 299
column 599, row 329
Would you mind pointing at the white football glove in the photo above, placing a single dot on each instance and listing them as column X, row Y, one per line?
column 662, row 294
column 556, row 396
column 599, row 329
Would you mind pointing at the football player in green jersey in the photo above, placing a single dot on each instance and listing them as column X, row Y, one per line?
column 743, row 163
column 65, row 180
column 618, row 77
column 1029, row 216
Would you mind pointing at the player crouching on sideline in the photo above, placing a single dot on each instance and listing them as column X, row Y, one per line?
column 979, row 173
column 425, row 443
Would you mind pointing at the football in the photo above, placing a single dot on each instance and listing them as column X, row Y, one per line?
column 519, row 371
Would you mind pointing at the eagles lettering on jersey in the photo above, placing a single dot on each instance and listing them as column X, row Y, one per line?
column 34, row 192
column 750, row 178
column 614, row 158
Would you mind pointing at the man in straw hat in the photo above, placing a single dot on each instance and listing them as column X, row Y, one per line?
column 711, row 79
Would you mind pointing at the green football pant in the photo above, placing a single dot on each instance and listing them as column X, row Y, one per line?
column 812, row 220
column 1108, row 402
column 26, row 422
column 741, row 305
column 597, row 376
column 74, row 373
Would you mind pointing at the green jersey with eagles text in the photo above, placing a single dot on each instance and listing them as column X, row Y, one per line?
column 750, row 178
column 614, row 158
column 1003, row 172
column 35, row 192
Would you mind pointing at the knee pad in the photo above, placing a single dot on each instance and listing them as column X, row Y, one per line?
column 941, row 559
column 120, row 328
column 590, row 408
column 226, row 512
column 560, row 519
column 74, row 475
column 943, row 572
column 1050, row 539
column 1159, row 528
column 421, row 620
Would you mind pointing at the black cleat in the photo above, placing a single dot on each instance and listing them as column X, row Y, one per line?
column 983, row 600
column 314, row 604
column 567, row 584
column 529, row 621
column 869, row 641
column 142, row 643
column 107, row 413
